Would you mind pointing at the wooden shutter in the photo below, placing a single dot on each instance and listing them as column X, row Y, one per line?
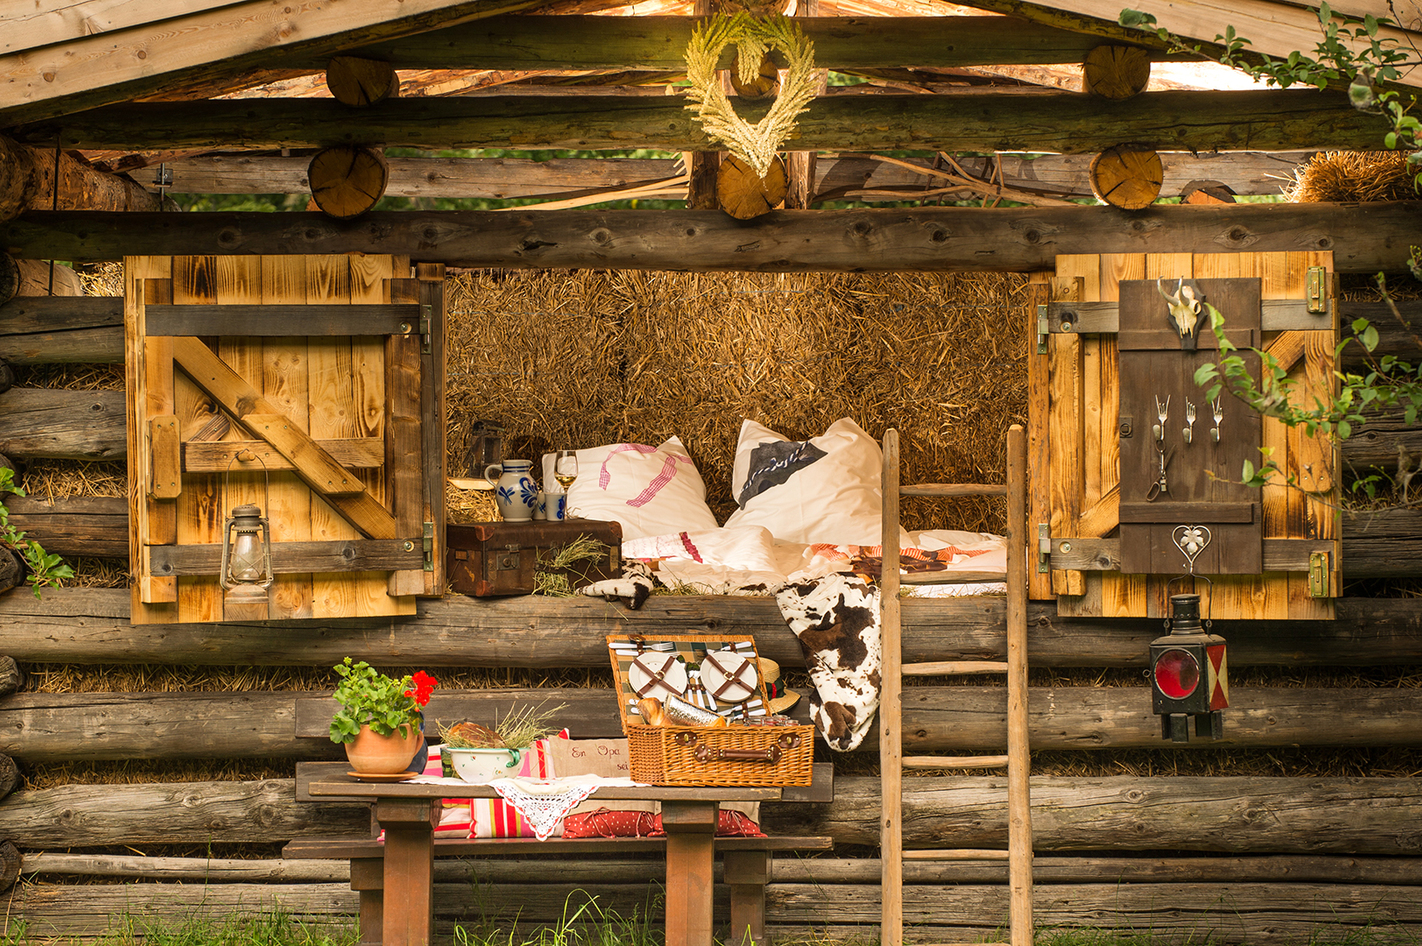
column 327, row 369
column 1075, row 395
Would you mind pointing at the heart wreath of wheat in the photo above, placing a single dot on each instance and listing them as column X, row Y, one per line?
column 754, row 144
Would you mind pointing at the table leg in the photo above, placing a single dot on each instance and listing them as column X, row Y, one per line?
column 409, row 870
column 691, row 836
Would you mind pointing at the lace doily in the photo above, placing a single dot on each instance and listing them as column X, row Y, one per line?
column 542, row 804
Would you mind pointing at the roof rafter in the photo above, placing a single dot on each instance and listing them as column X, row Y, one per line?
column 1061, row 122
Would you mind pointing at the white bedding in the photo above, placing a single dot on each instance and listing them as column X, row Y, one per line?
column 746, row 560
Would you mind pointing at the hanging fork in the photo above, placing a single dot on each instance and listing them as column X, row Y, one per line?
column 1189, row 431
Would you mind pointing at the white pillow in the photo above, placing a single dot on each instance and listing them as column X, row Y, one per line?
column 827, row 489
column 650, row 490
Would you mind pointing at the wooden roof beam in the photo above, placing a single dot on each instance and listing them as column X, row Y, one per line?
column 839, row 177
column 222, row 41
column 1061, row 122
column 658, row 43
column 1366, row 238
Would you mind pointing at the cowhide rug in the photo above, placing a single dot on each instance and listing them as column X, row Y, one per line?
column 836, row 619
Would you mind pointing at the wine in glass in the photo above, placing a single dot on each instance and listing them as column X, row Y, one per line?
column 565, row 468
column 565, row 471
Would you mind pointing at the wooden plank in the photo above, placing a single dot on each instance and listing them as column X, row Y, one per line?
column 1061, row 122
column 144, row 591
column 285, row 320
column 284, row 383
column 165, row 469
column 305, row 456
column 292, row 557
column 314, row 465
column 403, row 478
column 356, row 453
column 532, row 631
column 200, row 507
column 890, row 833
column 1086, row 554
column 1065, row 435
column 1039, row 506
column 1277, row 315
column 433, row 431
column 146, row 59
column 1365, row 237
column 44, row 24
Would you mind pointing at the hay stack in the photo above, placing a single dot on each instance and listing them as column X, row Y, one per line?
column 1352, row 175
column 580, row 359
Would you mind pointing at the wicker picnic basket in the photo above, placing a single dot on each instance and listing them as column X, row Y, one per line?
column 736, row 754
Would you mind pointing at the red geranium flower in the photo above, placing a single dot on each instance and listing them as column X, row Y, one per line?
column 424, row 686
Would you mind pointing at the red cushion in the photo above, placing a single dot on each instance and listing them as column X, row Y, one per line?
column 604, row 823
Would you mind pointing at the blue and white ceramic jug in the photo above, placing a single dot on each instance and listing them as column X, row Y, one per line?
column 515, row 493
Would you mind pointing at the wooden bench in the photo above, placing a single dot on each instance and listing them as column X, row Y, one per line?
column 745, row 863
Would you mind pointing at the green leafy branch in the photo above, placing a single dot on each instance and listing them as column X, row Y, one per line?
column 1349, row 51
column 1389, row 382
column 45, row 569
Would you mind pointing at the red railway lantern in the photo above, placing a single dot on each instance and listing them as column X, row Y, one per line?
column 1188, row 674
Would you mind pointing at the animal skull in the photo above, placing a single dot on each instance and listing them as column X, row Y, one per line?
column 1184, row 307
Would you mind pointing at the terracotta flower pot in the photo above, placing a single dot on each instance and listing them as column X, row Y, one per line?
column 374, row 754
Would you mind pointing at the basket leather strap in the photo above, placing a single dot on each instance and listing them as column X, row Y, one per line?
column 730, row 679
column 658, row 679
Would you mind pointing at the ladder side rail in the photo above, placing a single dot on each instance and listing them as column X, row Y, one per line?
column 891, row 840
column 1019, row 808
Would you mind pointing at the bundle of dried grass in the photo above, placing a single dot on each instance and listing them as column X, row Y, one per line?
column 575, row 360
column 1352, row 175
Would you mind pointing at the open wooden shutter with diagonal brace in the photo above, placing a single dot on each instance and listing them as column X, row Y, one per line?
column 311, row 386
column 1106, row 365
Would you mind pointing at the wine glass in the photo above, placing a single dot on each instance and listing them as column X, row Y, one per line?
column 565, row 471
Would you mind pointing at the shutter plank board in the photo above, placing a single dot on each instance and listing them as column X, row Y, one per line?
column 199, row 598
column 358, row 453
column 284, row 383
column 1038, row 412
column 279, row 320
column 1065, row 425
column 402, row 437
column 432, row 413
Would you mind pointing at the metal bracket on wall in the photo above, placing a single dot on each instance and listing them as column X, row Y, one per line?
column 428, row 544
column 1044, row 548
column 1319, row 584
column 1316, row 290
column 425, row 311
column 1043, row 329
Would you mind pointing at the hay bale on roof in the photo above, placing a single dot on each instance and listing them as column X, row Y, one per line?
column 1335, row 176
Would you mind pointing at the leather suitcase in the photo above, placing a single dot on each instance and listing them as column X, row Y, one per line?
column 487, row 559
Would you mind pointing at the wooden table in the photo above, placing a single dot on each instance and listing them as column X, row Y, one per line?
column 407, row 812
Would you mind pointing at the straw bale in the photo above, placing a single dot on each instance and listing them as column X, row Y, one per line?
column 100, row 279
column 575, row 360
column 61, row 479
column 1352, row 175
column 75, row 376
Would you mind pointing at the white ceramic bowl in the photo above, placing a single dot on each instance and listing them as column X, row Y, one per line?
column 483, row 765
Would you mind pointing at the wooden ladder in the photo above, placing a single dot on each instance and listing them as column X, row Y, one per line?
column 892, row 761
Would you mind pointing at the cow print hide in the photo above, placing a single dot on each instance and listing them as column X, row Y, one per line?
column 633, row 588
column 836, row 619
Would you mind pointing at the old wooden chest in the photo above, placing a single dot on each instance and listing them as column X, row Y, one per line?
column 486, row 559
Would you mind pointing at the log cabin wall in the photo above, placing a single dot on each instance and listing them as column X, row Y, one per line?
column 1110, row 804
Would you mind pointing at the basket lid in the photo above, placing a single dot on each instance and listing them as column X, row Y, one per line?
column 721, row 673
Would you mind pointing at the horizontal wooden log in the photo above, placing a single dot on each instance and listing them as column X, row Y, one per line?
column 90, row 625
column 1272, row 914
column 1257, row 913
column 1356, row 816
column 33, row 178
column 1371, row 541
column 72, row 346
column 62, row 423
column 1382, row 441
column 843, row 177
column 47, row 727
column 27, row 315
column 829, row 871
column 1089, row 869
column 1362, row 237
column 1126, row 813
column 253, row 812
column 1063, row 122
column 75, row 525
column 658, row 43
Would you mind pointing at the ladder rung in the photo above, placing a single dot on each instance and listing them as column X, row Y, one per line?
column 965, row 854
column 960, row 577
column 954, row 761
column 948, row 668
column 953, row 489
column 962, row 944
